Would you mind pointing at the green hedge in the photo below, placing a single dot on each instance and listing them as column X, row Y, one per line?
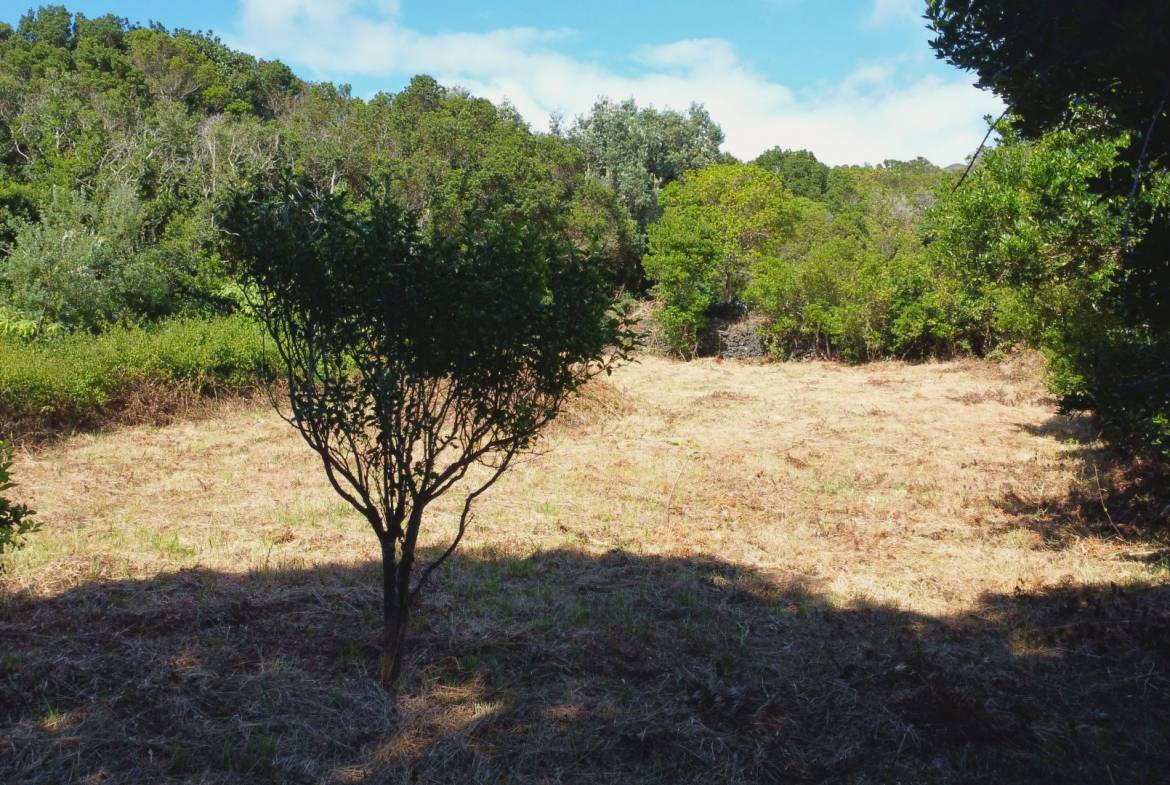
column 79, row 377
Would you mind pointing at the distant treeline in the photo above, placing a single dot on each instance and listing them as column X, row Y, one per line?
column 119, row 145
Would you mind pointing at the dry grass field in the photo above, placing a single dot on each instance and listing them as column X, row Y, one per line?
column 712, row 572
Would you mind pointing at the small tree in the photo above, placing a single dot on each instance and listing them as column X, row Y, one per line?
column 15, row 519
column 411, row 358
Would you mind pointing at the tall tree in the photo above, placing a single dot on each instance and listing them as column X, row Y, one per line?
column 639, row 151
column 799, row 169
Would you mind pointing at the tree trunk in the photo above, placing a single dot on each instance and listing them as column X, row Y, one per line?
column 395, row 617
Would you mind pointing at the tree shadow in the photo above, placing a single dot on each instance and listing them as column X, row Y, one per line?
column 1116, row 495
column 570, row 667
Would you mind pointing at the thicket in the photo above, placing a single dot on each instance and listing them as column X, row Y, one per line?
column 838, row 270
column 1086, row 83
column 79, row 378
column 119, row 144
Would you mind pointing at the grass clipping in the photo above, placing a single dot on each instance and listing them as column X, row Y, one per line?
column 710, row 572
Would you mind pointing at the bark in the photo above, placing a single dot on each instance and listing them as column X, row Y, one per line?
column 396, row 597
column 395, row 617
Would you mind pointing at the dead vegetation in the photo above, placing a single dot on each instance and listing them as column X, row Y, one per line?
column 713, row 572
column 139, row 404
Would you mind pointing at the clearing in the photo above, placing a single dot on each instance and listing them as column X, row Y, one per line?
column 713, row 572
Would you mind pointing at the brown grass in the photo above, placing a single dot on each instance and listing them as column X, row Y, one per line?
column 712, row 572
column 138, row 403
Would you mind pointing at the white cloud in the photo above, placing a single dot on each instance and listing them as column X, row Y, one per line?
column 874, row 114
column 885, row 11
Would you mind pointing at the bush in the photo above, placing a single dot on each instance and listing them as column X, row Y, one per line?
column 1044, row 256
column 855, row 282
column 833, row 301
column 716, row 224
column 77, row 378
column 15, row 519
column 91, row 262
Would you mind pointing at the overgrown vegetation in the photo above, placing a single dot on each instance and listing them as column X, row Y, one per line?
column 16, row 520
column 637, row 152
column 80, row 380
column 120, row 144
column 1085, row 77
column 837, row 270
column 716, row 226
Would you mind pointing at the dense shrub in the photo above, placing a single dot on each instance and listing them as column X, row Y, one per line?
column 1043, row 255
column 833, row 300
column 716, row 224
column 852, row 279
column 16, row 520
column 1089, row 79
column 74, row 378
column 91, row 261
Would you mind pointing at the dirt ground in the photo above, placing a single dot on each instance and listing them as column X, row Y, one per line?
column 711, row 572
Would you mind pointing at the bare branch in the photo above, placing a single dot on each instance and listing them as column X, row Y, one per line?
column 464, row 519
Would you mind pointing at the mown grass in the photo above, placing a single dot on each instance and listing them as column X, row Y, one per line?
column 712, row 572
column 128, row 374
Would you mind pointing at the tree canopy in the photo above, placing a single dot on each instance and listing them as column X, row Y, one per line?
column 118, row 143
column 800, row 170
column 1098, row 69
column 413, row 355
column 638, row 151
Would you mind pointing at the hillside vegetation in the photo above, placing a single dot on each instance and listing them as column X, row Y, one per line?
column 120, row 144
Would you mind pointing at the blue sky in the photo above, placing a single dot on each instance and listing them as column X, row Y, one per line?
column 852, row 80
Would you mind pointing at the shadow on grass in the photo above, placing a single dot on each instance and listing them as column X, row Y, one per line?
column 569, row 667
column 1116, row 496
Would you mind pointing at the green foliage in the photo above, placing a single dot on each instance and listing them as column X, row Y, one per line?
column 832, row 299
column 800, row 170
column 16, row 520
column 89, row 263
column 120, row 143
column 853, row 281
column 455, row 158
column 716, row 224
column 844, row 275
column 639, row 151
column 115, row 150
column 1099, row 70
column 1028, row 238
column 684, row 260
column 74, row 378
column 413, row 353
